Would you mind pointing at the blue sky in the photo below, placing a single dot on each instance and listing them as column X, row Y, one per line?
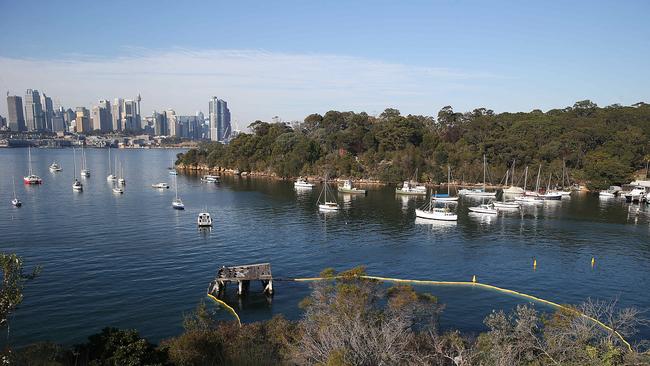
column 292, row 58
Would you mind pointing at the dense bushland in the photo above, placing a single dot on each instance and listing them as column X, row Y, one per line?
column 600, row 146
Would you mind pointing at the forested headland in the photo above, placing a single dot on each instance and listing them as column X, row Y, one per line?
column 600, row 146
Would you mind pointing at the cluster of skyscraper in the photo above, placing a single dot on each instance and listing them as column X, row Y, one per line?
column 38, row 115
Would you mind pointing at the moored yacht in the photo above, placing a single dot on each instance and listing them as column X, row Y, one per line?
column 411, row 188
column 348, row 188
column 204, row 219
column 161, row 185
column 55, row 167
column 177, row 204
column 15, row 201
column 484, row 208
column 302, row 183
column 208, row 178
column 326, row 205
column 432, row 212
column 446, row 197
column 31, row 178
column 111, row 177
column 479, row 192
column 76, row 184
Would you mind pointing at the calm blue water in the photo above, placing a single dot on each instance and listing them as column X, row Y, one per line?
column 132, row 261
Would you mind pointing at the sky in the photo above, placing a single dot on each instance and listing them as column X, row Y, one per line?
column 293, row 58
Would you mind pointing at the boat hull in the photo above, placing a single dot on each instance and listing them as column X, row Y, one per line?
column 506, row 205
column 411, row 193
column 444, row 199
column 483, row 210
column 352, row 190
column 433, row 215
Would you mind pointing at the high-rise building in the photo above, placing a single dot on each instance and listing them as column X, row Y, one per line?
column 172, row 123
column 190, row 127
column 48, row 111
column 159, row 124
column 34, row 116
column 101, row 116
column 130, row 117
column 116, row 114
column 219, row 120
column 82, row 122
column 58, row 120
column 3, row 123
column 16, row 117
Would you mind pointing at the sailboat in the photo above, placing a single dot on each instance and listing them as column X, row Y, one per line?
column 446, row 197
column 411, row 187
column 512, row 189
column 15, row 202
column 327, row 205
column 177, row 203
column 121, row 181
column 76, row 184
column 172, row 170
column 111, row 177
column 31, row 178
column 431, row 212
column 484, row 208
column 479, row 192
column 85, row 172
column 528, row 197
column 551, row 194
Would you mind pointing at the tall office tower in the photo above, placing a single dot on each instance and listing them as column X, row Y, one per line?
column 130, row 115
column 3, row 122
column 138, row 119
column 34, row 117
column 48, row 111
column 159, row 124
column 58, row 120
column 16, row 118
column 172, row 122
column 219, row 120
column 116, row 114
column 82, row 122
column 101, row 117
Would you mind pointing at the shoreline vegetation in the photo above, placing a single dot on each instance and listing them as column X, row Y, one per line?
column 350, row 320
column 599, row 146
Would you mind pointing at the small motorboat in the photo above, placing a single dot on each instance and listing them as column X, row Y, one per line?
column 506, row 205
column 77, row 186
column 485, row 208
column 118, row 190
column 210, row 178
column 55, row 167
column 431, row 212
column 348, row 188
column 410, row 188
column 173, row 172
column 328, row 206
column 551, row 195
column 111, row 178
column 161, row 185
column 204, row 220
column 302, row 183
column 16, row 202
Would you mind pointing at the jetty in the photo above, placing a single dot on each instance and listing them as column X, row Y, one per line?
column 242, row 275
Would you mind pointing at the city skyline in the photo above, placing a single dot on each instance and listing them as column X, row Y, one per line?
column 288, row 60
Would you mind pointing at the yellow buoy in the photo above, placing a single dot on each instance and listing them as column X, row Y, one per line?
column 593, row 262
column 534, row 263
column 474, row 278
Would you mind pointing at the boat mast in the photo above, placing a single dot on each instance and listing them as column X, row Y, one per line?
column 448, row 179
column 30, row 159
column 110, row 171
column 525, row 179
column 484, row 162
column 176, row 187
column 548, row 186
column 74, row 162
column 512, row 176
column 537, row 183
column 14, row 182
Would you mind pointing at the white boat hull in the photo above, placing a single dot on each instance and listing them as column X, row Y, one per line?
column 481, row 210
column 506, row 205
column 326, row 207
column 445, row 199
column 433, row 215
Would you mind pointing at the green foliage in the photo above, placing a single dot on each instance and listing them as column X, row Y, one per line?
column 13, row 281
column 119, row 347
column 391, row 147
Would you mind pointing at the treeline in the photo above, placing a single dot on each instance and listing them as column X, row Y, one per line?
column 354, row 321
column 600, row 146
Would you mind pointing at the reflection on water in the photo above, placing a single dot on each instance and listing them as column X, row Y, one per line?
column 132, row 261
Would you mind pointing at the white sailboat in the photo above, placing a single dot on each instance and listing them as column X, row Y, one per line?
column 551, row 194
column 76, row 184
column 512, row 189
column 177, row 203
column 172, row 170
column 528, row 197
column 431, row 212
column 85, row 172
column 327, row 205
column 121, row 180
column 111, row 177
column 479, row 192
column 31, row 178
column 15, row 201
column 484, row 208
column 302, row 183
column 446, row 197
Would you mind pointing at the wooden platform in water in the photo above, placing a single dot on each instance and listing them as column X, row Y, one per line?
column 242, row 275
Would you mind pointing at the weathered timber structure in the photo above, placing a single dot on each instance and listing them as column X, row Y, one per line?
column 242, row 275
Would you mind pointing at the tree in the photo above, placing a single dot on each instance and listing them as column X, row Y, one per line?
column 13, row 281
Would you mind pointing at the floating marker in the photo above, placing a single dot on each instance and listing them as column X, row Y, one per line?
column 534, row 263
column 474, row 278
column 593, row 262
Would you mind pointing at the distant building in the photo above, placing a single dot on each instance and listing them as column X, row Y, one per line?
column 16, row 117
column 34, row 116
column 116, row 114
column 3, row 123
column 48, row 111
column 172, row 123
column 130, row 116
column 159, row 124
column 82, row 122
column 219, row 120
column 58, row 120
column 101, row 117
